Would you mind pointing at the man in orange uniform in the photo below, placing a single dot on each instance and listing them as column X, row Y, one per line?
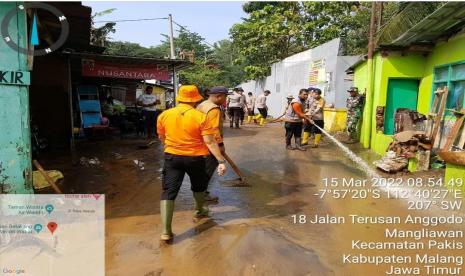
column 293, row 121
column 188, row 137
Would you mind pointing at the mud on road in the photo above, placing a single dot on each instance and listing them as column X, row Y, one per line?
column 251, row 231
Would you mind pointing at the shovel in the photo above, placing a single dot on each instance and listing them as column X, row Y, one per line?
column 242, row 182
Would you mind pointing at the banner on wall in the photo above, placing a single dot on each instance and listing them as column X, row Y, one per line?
column 317, row 72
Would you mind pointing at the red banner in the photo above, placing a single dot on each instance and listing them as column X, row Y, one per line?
column 96, row 68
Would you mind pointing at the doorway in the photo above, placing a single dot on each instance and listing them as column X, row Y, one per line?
column 402, row 93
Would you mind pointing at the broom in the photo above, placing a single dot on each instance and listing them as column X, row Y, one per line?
column 242, row 179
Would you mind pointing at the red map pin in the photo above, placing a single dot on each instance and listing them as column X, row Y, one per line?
column 52, row 226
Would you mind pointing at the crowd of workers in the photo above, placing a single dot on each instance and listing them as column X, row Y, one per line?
column 239, row 104
column 192, row 135
column 304, row 116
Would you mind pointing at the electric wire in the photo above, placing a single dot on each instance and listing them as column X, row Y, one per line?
column 131, row 20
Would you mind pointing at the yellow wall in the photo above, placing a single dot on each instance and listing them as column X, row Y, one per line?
column 160, row 92
column 335, row 119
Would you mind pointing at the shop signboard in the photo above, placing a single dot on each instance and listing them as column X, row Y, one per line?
column 104, row 69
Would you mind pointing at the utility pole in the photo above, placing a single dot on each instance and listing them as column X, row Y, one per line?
column 380, row 16
column 173, row 56
column 368, row 112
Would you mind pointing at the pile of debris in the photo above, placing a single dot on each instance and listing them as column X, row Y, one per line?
column 407, row 144
column 89, row 162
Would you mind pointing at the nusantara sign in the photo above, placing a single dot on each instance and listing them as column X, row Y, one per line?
column 95, row 68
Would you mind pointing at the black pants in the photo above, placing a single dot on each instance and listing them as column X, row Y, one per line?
column 210, row 166
column 234, row 115
column 250, row 112
column 173, row 174
column 151, row 122
column 263, row 112
column 312, row 128
column 242, row 115
column 293, row 129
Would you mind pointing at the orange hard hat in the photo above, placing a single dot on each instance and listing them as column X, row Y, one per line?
column 189, row 94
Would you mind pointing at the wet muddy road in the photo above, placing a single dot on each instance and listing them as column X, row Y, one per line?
column 252, row 229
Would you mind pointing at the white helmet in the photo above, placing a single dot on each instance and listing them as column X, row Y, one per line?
column 290, row 96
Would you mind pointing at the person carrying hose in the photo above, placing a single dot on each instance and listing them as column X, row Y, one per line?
column 293, row 121
column 188, row 137
column 315, row 112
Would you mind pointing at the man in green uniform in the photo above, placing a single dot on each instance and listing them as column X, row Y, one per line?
column 354, row 104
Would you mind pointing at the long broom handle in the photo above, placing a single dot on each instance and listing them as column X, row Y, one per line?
column 47, row 178
column 233, row 165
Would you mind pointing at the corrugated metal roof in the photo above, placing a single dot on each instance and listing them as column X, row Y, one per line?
column 445, row 21
column 177, row 63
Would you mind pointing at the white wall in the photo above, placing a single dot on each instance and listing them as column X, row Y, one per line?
column 293, row 73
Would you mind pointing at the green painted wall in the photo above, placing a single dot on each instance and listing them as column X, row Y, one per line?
column 453, row 174
column 15, row 146
column 444, row 53
column 360, row 79
column 417, row 66
column 392, row 66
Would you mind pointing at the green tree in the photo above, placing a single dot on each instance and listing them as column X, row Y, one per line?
column 201, row 75
column 227, row 57
column 324, row 21
column 213, row 66
column 273, row 31
column 133, row 49
column 270, row 33
column 189, row 41
column 99, row 35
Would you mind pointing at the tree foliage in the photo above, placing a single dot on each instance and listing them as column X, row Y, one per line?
column 99, row 35
column 270, row 33
column 273, row 31
column 133, row 49
column 324, row 21
column 218, row 68
column 213, row 66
